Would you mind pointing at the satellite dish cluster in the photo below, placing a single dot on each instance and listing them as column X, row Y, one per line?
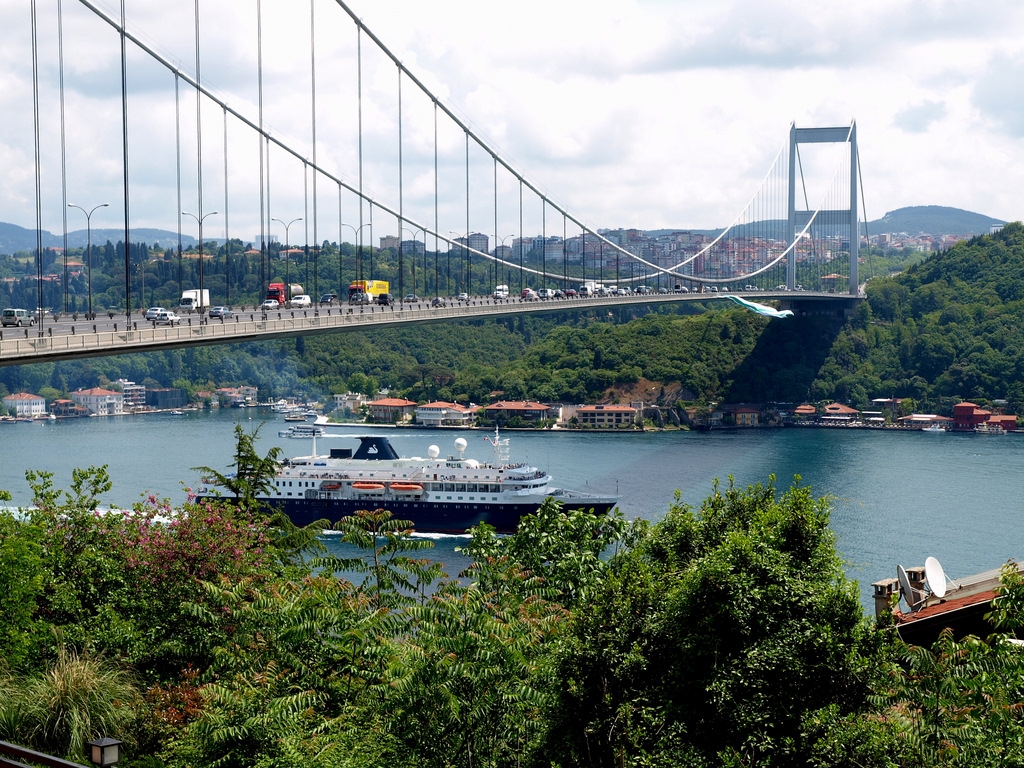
column 936, row 584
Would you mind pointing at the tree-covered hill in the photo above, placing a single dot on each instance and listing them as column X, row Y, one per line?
column 948, row 328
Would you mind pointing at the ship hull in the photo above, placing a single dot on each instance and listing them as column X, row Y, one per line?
column 430, row 517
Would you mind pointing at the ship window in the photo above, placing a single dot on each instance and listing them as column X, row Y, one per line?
column 460, row 487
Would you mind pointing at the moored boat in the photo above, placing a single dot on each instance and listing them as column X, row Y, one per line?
column 438, row 494
column 986, row 428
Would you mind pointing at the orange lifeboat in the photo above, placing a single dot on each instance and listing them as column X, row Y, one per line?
column 406, row 487
column 330, row 486
column 368, row 486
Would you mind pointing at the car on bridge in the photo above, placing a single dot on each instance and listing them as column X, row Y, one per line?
column 328, row 299
column 462, row 297
column 222, row 312
column 301, row 301
column 270, row 304
column 437, row 301
column 152, row 312
column 16, row 317
column 411, row 298
column 360, row 298
column 528, row 294
column 166, row 318
column 385, row 299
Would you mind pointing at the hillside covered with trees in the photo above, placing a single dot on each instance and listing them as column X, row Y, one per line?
column 943, row 330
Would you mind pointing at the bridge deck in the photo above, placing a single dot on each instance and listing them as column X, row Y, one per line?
column 55, row 340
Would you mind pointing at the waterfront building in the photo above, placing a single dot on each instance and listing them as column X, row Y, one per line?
column 166, row 398
column 25, row 405
column 99, row 401
column 134, row 394
column 837, row 413
column 442, row 414
column 502, row 411
column 389, row 410
column 606, row 415
column 966, row 416
column 67, row 409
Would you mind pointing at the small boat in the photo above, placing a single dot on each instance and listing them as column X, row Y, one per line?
column 295, row 417
column 302, row 430
column 177, row 413
column 934, row 428
column 985, row 428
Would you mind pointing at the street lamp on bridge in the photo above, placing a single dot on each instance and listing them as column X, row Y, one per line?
column 287, row 255
column 199, row 220
column 88, row 247
column 496, row 263
column 357, row 233
column 414, row 233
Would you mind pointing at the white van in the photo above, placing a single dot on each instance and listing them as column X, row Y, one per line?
column 500, row 292
column 16, row 317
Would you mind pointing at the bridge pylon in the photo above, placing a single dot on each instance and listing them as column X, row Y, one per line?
column 798, row 219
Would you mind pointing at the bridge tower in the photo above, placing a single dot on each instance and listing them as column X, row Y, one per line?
column 833, row 217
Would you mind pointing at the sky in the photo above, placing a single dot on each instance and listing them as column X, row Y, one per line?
column 646, row 114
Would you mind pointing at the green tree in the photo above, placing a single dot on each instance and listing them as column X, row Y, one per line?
column 713, row 638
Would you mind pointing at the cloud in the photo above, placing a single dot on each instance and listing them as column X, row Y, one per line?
column 996, row 93
column 917, row 118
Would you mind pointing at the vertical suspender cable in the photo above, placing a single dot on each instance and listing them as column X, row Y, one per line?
column 199, row 151
column 305, row 223
column 437, row 289
column 39, row 201
column 497, row 278
column 259, row 141
column 469, row 276
column 521, row 244
column 312, row 76
column 124, row 145
column 63, row 147
column 565, row 256
column 177, row 144
column 359, row 107
column 341, row 282
column 544, row 241
column 227, row 229
column 401, row 200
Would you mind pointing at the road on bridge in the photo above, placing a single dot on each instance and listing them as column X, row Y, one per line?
column 69, row 338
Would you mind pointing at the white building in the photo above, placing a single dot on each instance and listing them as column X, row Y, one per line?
column 100, row 402
column 26, row 405
column 442, row 414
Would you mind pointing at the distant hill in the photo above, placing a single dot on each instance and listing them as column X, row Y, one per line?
column 914, row 220
column 933, row 220
column 14, row 238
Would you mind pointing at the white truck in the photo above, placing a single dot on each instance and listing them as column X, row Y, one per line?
column 501, row 292
column 589, row 288
column 194, row 300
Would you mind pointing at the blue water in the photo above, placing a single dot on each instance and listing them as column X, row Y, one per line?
column 898, row 497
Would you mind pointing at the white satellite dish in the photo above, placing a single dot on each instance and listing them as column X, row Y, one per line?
column 908, row 591
column 460, row 445
column 935, row 576
column 433, row 451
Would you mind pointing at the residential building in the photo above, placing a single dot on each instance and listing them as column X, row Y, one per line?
column 606, row 415
column 442, row 414
column 525, row 410
column 134, row 394
column 25, row 405
column 99, row 401
column 390, row 410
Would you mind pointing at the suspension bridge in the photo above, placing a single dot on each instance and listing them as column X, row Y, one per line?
column 147, row 149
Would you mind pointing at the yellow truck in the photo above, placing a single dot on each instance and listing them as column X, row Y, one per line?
column 372, row 288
